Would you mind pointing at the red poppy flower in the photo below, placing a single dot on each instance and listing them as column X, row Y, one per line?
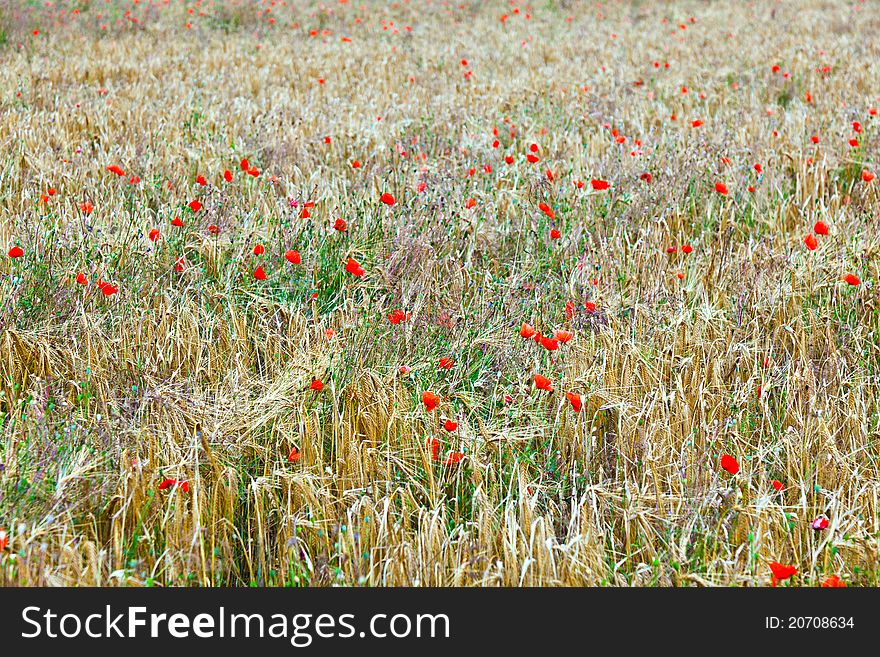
column 527, row 331
column 819, row 523
column 729, row 464
column 820, row 228
column 811, row 242
column 293, row 257
column 575, row 400
column 549, row 343
column 259, row 249
column 446, row 363
column 782, row 571
column 453, row 458
column 600, row 185
column 777, row 485
column 177, row 221
column 430, row 400
column 397, row 316
column 195, row 205
column 81, row 279
column 387, row 199
column 16, row 252
column 563, row 336
column 294, row 455
column 354, row 268
column 316, row 385
column 259, row 274
column 852, row 279
column 833, row 582
column 340, row 225
column 434, row 445
column 721, row 188
column 450, row 426
column 543, row 383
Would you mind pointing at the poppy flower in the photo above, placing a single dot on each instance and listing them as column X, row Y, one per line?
column 213, row 229
column 259, row 249
column 81, row 279
column 470, row 203
column 434, row 445
column 294, row 455
column 821, row 228
column 154, row 234
column 404, row 369
column 819, row 523
column 696, row 124
column 647, row 177
column 292, row 257
column 86, row 207
column 575, row 400
column 527, row 331
column 245, row 165
column 259, row 274
column 546, row 209
column 16, row 252
column 833, row 582
column 555, row 234
column 811, row 242
column 543, row 383
column 4, row 540
column 201, row 180
column 115, row 168
column 227, row 175
column 316, row 385
column 782, row 571
column 687, row 248
column 387, row 199
column 355, row 164
column 867, row 176
column 721, row 188
column 549, row 343
column 446, row 363
column 852, row 279
column 397, row 316
column 450, row 426
column 177, row 221
column 109, row 290
column 600, row 185
column 777, row 485
column 195, row 205
column 758, row 167
column 354, row 268
column 729, row 464
column 671, row 249
column 430, row 400
column 814, row 139
column 174, row 483
column 563, row 336
column 340, row 225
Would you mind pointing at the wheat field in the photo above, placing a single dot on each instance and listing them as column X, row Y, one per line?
column 601, row 309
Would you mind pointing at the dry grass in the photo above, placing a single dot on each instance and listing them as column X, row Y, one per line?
column 203, row 375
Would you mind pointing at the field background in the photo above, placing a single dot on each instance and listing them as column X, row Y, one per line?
column 758, row 350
